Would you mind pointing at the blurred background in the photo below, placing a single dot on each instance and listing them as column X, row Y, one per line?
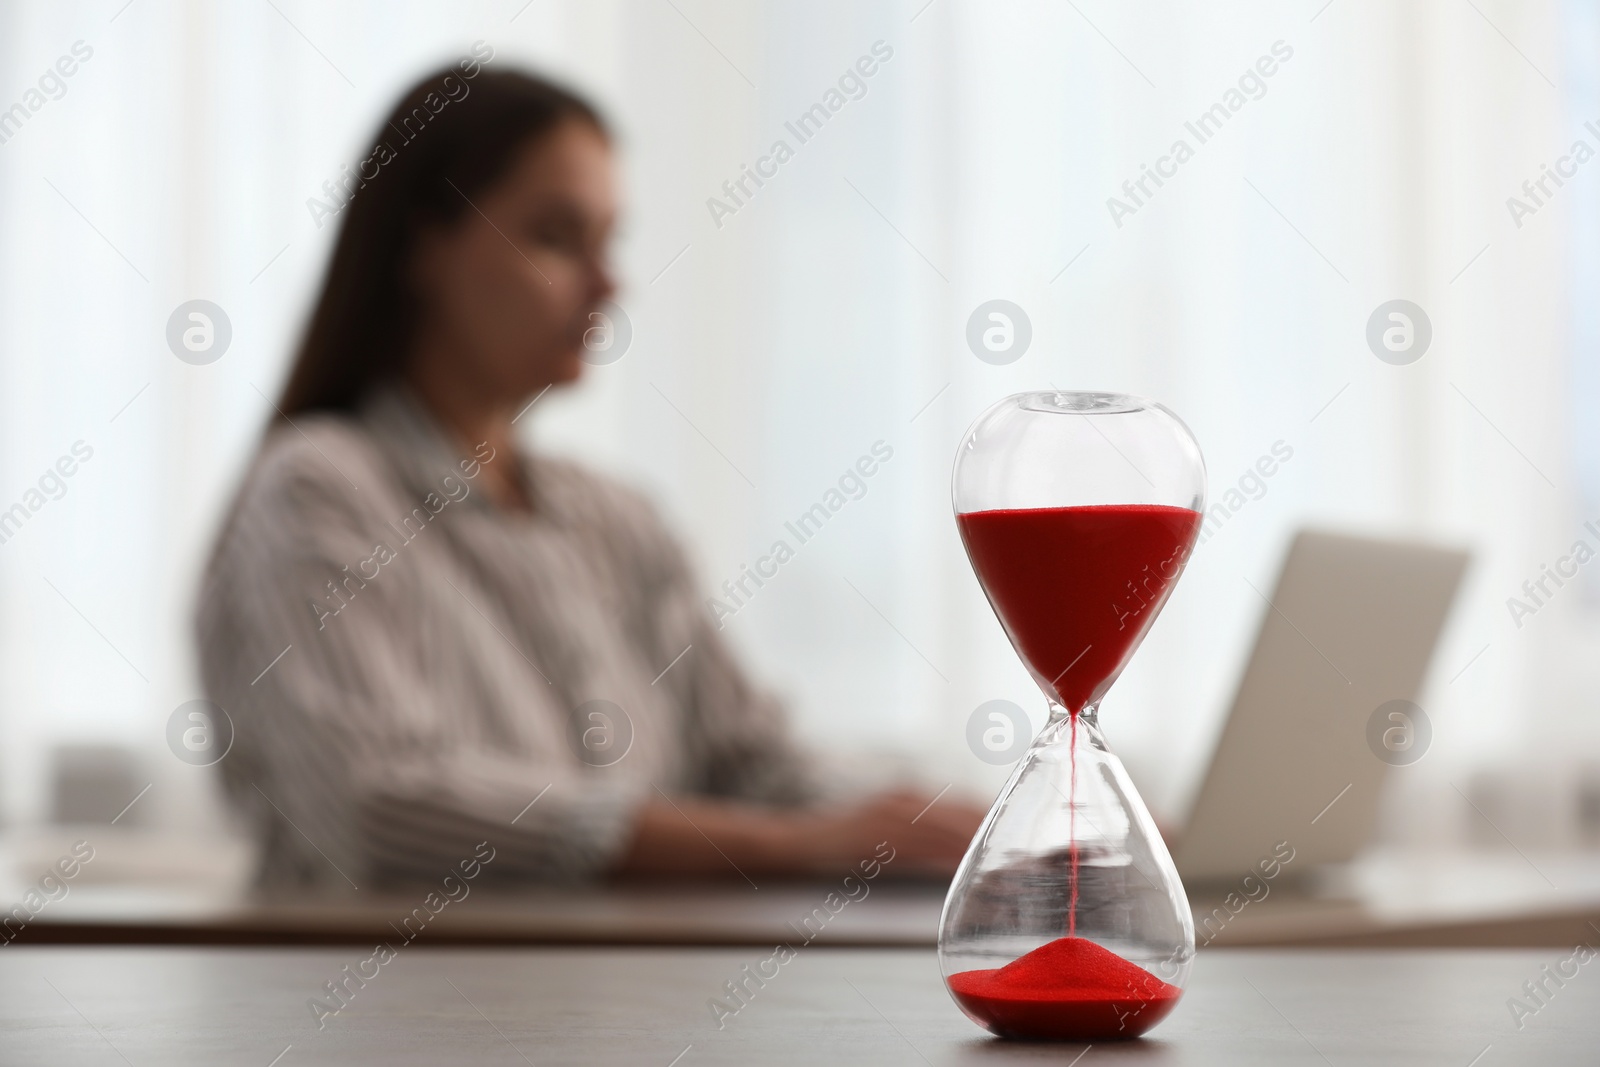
column 777, row 336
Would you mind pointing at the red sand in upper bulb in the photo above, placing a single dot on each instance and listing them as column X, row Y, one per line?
column 1076, row 587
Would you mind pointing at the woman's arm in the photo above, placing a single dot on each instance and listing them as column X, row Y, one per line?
column 740, row 736
column 697, row 837
column 750, row 758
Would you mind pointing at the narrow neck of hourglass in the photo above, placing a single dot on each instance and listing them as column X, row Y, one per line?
column 1080, row 730
column 1088, row 715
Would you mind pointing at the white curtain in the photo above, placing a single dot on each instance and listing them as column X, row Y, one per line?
column 775, row 343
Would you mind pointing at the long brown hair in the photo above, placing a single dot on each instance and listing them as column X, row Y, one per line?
column 452, row 135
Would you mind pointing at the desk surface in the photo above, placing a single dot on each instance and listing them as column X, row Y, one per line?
column 177, row 1006
column 130, row 894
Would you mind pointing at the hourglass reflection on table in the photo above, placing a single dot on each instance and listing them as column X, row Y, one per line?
column 1066, row 919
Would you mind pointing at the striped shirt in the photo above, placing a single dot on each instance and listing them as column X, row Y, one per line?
column 452, row 672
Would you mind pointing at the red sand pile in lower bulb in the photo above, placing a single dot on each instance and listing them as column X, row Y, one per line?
column 1069, row 989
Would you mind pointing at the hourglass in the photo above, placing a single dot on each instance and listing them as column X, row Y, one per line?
column 1066, row 919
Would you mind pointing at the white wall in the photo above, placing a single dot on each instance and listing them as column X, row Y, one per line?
column 809, row 325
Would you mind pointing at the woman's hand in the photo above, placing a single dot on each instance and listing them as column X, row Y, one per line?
column 928, row 839
column 701, row 837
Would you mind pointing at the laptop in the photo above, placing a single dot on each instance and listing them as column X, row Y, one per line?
column 1351, row 625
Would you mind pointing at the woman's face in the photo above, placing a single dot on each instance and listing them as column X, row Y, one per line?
column 507, row 291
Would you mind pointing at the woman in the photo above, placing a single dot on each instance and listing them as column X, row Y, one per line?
column 479, row 644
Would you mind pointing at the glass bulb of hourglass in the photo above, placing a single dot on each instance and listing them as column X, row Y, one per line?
column 1066, row 918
